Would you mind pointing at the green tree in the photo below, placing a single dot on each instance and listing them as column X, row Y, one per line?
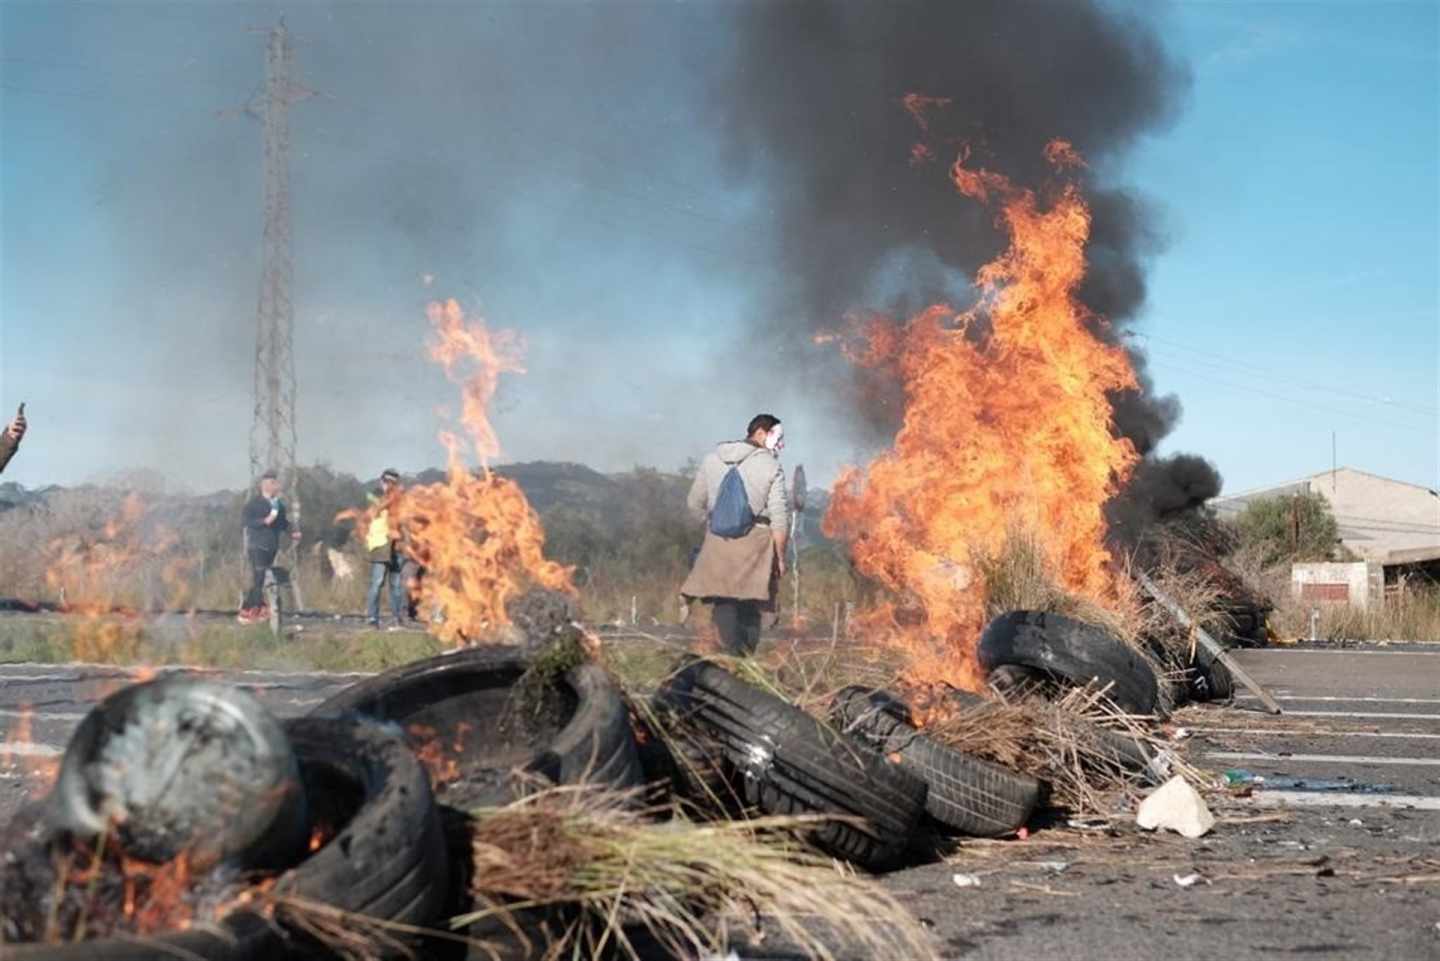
column 1300, row 527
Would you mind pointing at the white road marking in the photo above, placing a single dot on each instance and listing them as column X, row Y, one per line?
column 1325, row 758
column 1409, row 717
column 1298, row 733
column 36, row 715
column 1311, row 650
column 113, row 670
column 1346, row 799
column 1332, row 697
column 28, row 749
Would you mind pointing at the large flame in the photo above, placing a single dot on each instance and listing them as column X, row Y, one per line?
column 1007, row 425
column 477, row 536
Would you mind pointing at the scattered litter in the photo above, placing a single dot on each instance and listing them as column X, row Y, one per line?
column 1088, row 824
column 966, row 880
column 1181, row 733
column 732, row 956
column 1190, row 880
column 1023, row 833
column 1160, row 766
column 1236, row 777
column 1044, row 889
column 1055, row 866
column 1356, row 822
column 1177, row 806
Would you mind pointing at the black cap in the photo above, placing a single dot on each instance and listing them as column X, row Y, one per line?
column 390, row 473
column 269, row 475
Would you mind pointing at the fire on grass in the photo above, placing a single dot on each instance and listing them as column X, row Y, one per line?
column 1006, row 421
column 126, row 564
column 478, row 538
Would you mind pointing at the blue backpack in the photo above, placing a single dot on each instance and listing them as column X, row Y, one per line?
column 731, row 516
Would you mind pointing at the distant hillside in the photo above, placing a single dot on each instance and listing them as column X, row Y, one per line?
column 565, row 494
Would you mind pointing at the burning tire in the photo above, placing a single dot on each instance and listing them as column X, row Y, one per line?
column 466, row 714
column 788, row 762
column 967, row 794
column 389, row 860
column 1073, row 652
column 181, row 764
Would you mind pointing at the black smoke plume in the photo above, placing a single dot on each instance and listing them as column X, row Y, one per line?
column 816, row 106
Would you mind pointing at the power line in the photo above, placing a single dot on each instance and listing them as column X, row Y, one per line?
column 1370, row 421
column 1325, row 388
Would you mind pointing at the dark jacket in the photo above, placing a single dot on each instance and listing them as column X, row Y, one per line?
column 259, row 535
column 8, row 446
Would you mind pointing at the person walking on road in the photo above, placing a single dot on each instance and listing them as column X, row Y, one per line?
column 382, row 541
column 739, row 493
column 264, row 520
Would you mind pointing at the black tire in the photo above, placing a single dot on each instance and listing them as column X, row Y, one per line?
column 1208, row 679
column 788, row 762
column 241, row 936
column 1072, row 651
column 595, row 743
column 967, row 794
column 389, row 861
column 686, row 765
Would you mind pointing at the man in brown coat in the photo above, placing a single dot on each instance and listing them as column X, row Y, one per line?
column 738, row 574
column 10, row 438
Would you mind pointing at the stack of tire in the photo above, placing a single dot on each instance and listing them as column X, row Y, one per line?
column 866, row 766
column 386, row 856
column 1027, row 651
column 1038, row 650
column 386, row 860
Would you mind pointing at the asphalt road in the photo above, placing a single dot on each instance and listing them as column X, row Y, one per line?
column 1334, row 853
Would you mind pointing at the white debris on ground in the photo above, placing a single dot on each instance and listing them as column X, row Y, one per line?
column 966, row 880
column 1177, row 806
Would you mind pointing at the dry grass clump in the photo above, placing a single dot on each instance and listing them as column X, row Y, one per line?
column 1083, row 747
column 611, row 871
column 1411, row 614
column 1021, row 576
column 805, row 672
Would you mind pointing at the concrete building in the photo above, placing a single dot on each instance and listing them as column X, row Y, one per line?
column 1392, row 526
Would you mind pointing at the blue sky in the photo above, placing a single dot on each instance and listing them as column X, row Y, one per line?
column 1298, row 295
column 578, row 198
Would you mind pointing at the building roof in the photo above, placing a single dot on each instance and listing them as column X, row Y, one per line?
column 1380, row 518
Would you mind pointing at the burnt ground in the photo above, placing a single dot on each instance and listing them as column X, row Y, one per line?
column 1336, row 853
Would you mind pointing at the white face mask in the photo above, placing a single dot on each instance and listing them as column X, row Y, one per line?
column 775, row 440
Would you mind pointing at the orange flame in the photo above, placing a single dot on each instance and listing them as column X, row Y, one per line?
column 1007, row 422
column 106, row 575
column 477, row 536
column 429, row 749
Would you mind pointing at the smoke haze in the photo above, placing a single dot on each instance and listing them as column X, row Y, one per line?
column 669, row 200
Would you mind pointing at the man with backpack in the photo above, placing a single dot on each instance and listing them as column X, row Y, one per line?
column 739, row 492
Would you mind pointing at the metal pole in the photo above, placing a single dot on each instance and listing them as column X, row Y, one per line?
column 1211, row 645
column 795, row 566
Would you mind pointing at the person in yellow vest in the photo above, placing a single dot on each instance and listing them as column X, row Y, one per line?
column 381, row 539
